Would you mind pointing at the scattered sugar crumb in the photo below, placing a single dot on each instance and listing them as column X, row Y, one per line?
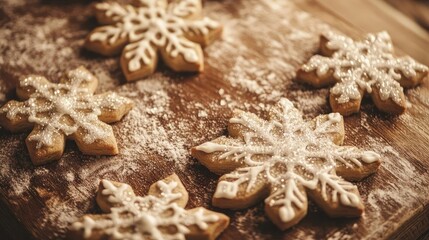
column 221, row 91
column 70, row 176
column 202, row 114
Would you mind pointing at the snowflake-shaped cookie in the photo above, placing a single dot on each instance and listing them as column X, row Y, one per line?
column 64, row 110
column 283, row 160
column 173, row 29
column 359, row 67
column 158, row 216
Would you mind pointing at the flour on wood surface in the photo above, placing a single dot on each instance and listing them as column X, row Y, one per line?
column 149, row 126
column 47, row 42
column 20, row 44
column 394, row 198
column 403, row 184
column 266, row 75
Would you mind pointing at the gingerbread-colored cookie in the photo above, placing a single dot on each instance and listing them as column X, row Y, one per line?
column 285, row 159
column 148, row 29
column 160, row 215
column 67, row 110
column 359, row 67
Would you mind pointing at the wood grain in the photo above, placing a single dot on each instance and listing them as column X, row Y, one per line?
column 417, row 10
column 174, row 112
column 375, row 16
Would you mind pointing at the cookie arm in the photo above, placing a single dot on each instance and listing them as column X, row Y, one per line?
column 168, row 187
column 311, row 75
column 388, row 94
column 330, row 125
column 29, row 85
column 241, row 189
column 218, row 155
column 287, row 204
column 345, row 109
column 42, row 153
column 113, row 106
column 324, row 50
column 183, row 55
column 389, row 105
column 203, row 31
column 16, row 123
column 81, row 76
column 354, row 164
column 113, row 194
column 412, row 72
column 337, row 197
column 110, row 12
column 107, row 40
column 96, row 146
column 212, row 229
column 84, row 229
column 139, row 59
column 346, row 97
column 313, row 79
column 187, row 9
column 285, row 113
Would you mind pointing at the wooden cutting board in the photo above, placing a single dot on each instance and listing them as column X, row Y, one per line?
column 251, row 67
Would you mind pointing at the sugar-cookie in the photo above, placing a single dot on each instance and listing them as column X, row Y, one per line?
column 285, row 159
column 67, row 110
column 142, row 32
column 159, row 215
column 359, row 67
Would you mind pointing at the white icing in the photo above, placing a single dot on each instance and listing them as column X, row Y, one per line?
column 289, row 147
column 370, row 156
column 185, row 8
column 210, row 147
column 87, row 225
column 116, row 194
column 51, row 104
column 296, row 198
column 363, row 65
column 144, row 217
column 153, row 25
column 226, row 189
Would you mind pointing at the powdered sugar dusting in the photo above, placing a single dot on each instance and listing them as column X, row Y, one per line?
column 35, row 43
column 284, row 46
column 149, row 127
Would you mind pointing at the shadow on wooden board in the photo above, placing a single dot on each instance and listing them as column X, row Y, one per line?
column 10, row 228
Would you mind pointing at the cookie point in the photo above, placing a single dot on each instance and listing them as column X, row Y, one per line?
column 335, row 117
column 370, row 157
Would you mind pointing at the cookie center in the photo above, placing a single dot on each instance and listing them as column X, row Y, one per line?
column 289, row 147
column 157, row 23
column 63, row 105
